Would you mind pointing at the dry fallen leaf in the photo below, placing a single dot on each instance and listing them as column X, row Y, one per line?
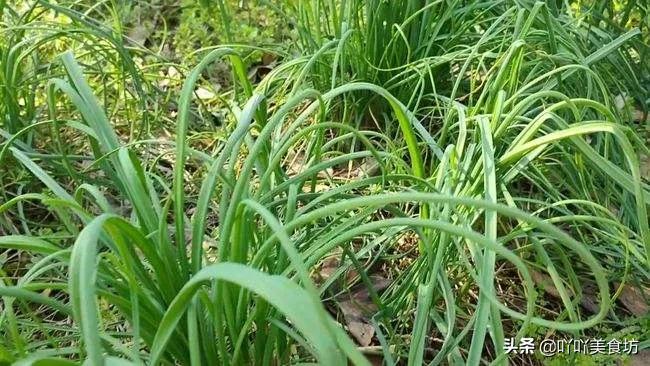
column 140, row 33
column 268, row 58
column 589, row 301
column 327, row 268
column 358, row 308
column 203, row 93
column 355, row 305
column 357, row 322
column 634, row 300
column 620, row 101
column 362, row 293
column 545, row 283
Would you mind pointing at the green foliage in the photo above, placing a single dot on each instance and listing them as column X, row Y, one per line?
column 495, row 142
column 444, row 48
